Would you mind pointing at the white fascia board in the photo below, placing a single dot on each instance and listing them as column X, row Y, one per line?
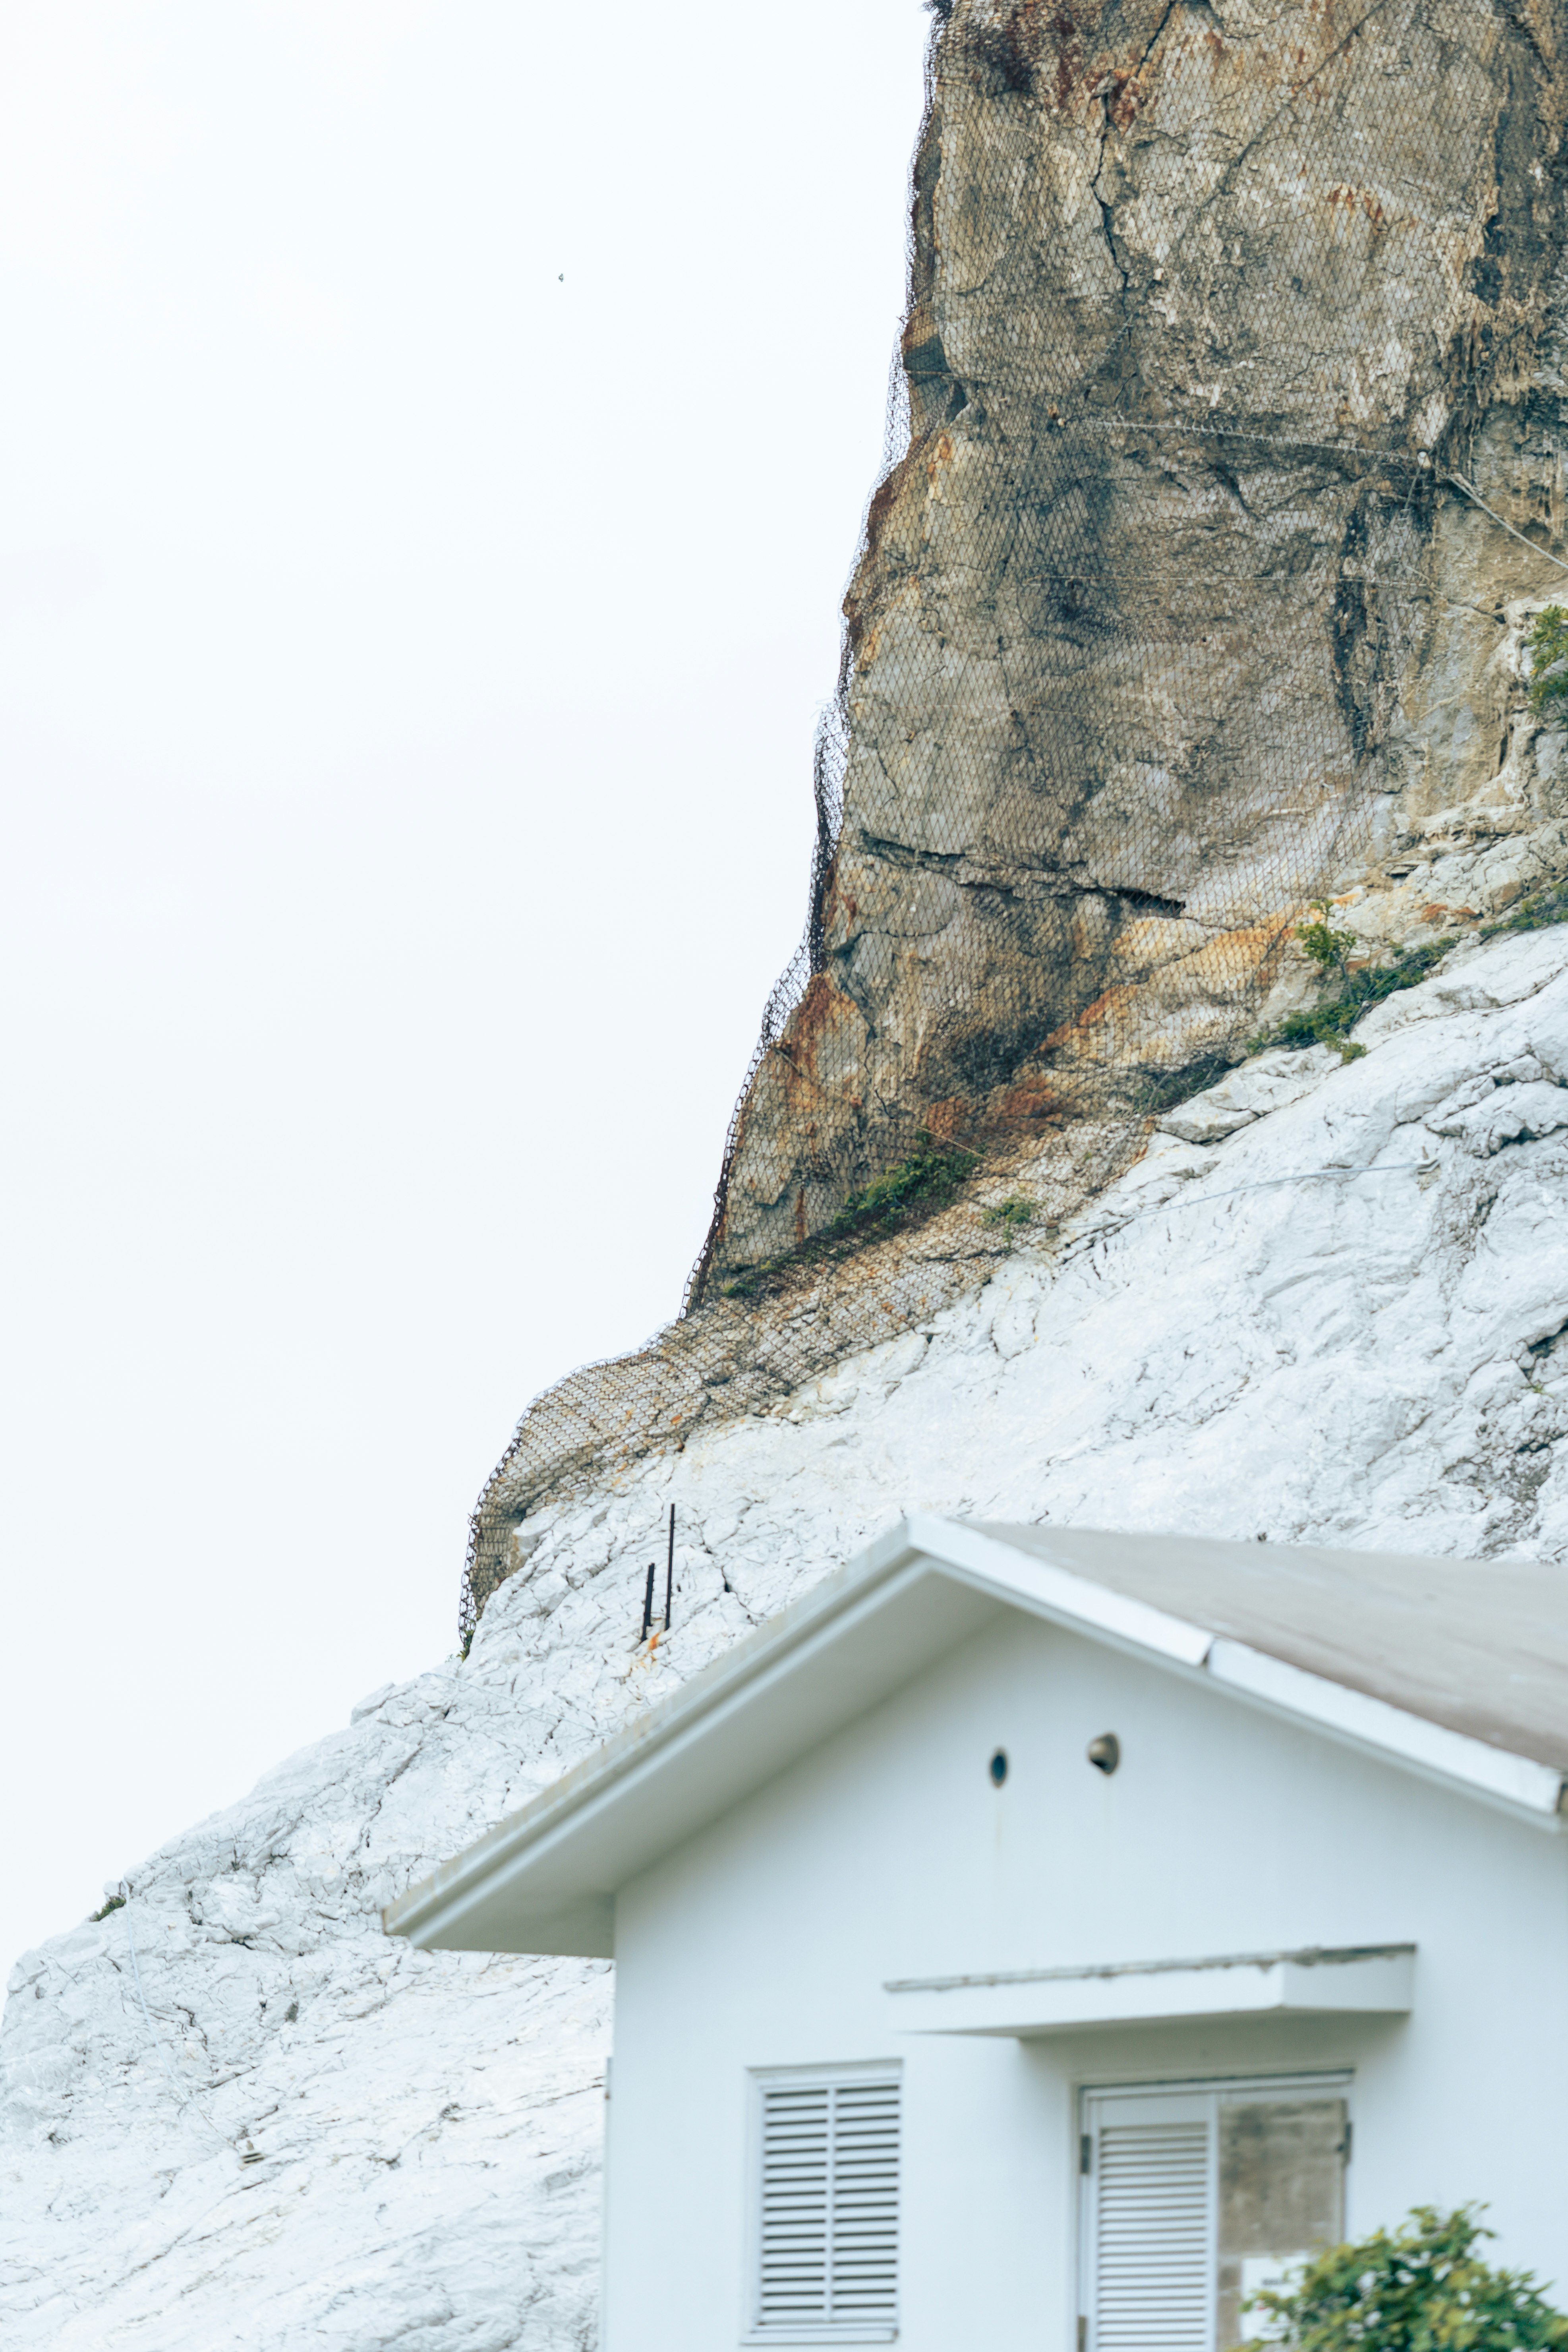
column 1062, row 2001
column 696, row 1755
column 1056, row 1594
column 1517, row 1783
column 435, row 1904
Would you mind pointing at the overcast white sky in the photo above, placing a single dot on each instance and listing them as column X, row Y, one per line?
column 434, row 435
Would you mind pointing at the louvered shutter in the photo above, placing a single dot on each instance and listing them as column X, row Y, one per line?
column 864, row 2234
column 1152, row 2231
column 797, row 2133
column 829, row 2234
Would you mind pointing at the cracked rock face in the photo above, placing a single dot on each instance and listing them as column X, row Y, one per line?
column 1330, row 1305
column 1173, row 614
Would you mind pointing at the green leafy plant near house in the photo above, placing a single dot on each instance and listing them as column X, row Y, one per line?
column 1420, row 2289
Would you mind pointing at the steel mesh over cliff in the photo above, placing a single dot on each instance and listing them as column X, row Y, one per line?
column 1211, row 308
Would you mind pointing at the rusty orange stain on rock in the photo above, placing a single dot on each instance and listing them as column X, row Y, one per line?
column 1112, row 1001
column 1124, row 98
column 1030, row 1100
column 947, row 1119
column 815, row 1015
column 1350, row 198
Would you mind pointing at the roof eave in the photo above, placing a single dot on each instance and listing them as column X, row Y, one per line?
column 446, row 1909
column 429, row 1907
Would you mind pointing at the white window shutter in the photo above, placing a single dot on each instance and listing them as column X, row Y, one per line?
column 865, row 2222
column 829, row 2235
column 1153, row 2238
column 796, row 2135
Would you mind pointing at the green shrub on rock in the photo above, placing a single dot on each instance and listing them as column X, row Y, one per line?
column 1356, row 989
column 1547, row 645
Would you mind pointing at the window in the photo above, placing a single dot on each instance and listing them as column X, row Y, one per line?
column 827, row 2206
column 1196, row 2197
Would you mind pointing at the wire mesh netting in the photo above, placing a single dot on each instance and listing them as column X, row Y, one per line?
column 1217, row 314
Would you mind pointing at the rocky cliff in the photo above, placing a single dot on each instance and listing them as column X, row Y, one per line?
column 1330, row 1305
column 1173, row 612
column 1233, row 485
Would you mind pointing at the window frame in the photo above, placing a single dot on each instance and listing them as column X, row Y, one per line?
column 760, row 2081
column 1214, row 2087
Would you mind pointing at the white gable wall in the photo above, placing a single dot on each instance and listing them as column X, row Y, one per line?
column 766, row 1941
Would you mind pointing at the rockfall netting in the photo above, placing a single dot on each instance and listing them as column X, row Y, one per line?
column 1219, row 316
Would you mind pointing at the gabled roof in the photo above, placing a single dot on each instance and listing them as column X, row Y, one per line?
column 1455, row 1670
column 1481, row 1646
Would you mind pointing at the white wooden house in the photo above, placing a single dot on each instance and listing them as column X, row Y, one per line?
column 1036, row 1940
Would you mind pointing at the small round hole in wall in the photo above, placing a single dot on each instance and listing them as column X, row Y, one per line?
column 1104, row 1753
column 998, row 1768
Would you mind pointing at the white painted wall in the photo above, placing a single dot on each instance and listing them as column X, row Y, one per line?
column 889, row 1853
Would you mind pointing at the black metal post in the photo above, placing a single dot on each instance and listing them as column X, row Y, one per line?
column 670, row 1573
column 648, row 1599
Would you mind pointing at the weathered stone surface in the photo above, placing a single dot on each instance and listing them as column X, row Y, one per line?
column 1345, row 1323
column 1171, row 615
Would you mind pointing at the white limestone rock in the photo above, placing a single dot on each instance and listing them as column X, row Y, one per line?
column 1343, row 1321
column 1269, row 1082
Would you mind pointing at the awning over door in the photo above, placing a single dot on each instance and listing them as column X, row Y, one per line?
column 1361, row 1979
